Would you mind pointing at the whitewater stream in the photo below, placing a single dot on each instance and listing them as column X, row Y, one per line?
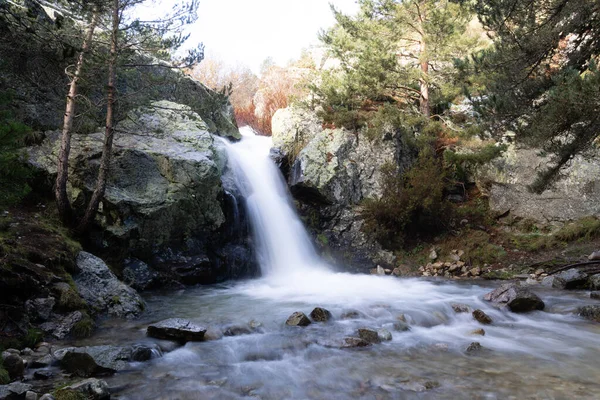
column 540, row 355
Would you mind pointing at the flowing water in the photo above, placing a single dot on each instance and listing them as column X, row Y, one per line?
column 541, row 355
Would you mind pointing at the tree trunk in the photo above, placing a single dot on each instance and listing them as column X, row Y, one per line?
column 424, row 63
column 62, row 168
column 92, row 208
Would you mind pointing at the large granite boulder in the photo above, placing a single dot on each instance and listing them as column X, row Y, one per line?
column 575, row 195
column 103, row 292
column 514, row 297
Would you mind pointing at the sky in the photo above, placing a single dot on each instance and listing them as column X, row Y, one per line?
column 249, row 31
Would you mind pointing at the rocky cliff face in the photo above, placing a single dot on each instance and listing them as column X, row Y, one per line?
column 165, row 203
column 575, row 195
column 332, row 171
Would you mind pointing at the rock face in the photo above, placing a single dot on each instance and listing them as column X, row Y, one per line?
column 333, row 170
column 165, row 203
column 515, row 298
column 101, row 289
column 574, row 196
column 176, row 329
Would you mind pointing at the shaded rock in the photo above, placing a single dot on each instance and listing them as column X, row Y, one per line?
column 43, row 374
column 384, row 335
column 474, row 347
column 460, row 308
column 241, row 329
column 594, row 282
column 516, row 298
column 401, row 326
column 42, row 362
column 14, row 365
column 15, row 390
column 139, row 275
column 31, row 395
column 479, row 331
column 590, row 312
column 298, row 319
column 91, row 388
column 595, row 295
column 47, row 396
column 553, row 282
column 320, row 315
column 61, row 326
column 176, row 329
column 482, row 317
column 79, row 364
column 573, row 278
column 107, row 358
column 369, row 335
column 594, row 256
column 101, row 289
column 40, row 309
column 433, row 255
column 143, row 352
column 350, row 342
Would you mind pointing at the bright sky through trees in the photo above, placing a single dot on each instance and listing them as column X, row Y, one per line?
column 249, row 31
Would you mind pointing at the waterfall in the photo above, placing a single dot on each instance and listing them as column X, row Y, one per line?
column 282, row 244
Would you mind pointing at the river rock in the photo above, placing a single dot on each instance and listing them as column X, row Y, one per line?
column 370, row 335
column 482, row 317
column 350, row 342
column 590, row 312
column 43, row 374
column 474, row 347
column 298, row 319
column 139, row 275
column 79, row 364
column 401, row 326
column 91, row 388
column 94, row 359
column 15, row 390
column 320, row 315
column 460, row 308
column 14, row 365
column 29, row 395
column 384, row 335
column 515, row 298
column 478, row 332
column 143, row 352
column 573, row 278
column 351, row 314
column 101, row 289
column 176, row 329
column 553, row 282
column 594, row 282
column 595, row 295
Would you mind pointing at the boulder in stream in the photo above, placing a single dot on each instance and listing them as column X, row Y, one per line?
column 176, row 329
column 474, row 347
column 573, row 278
column 590, row 312
column 370, row 335
column 298, row 319
column 482, row 317
column 554, row 282
column 350, row 342
column 514, row 297
column 320, row 315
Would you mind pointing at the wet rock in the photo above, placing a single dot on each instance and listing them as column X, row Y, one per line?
column 40, row 309
column 139, row 275
column 320, row 315
column 176, row 329
column 106, row 359
column 43, row 374
column 482, row 317
column 15, row 390
column 479, row 331
column 590, row 312
column 574, row 278
column 460, row 308
column 515, row 298
column 370, row 335
column 47, row 396
column 594, row 256
column 401, row 326
column 474, row 347
column 91, row 388
column 14, row 365
column 351, row 314
column 31, row 395
column 350, row 342
column 241, row 329
column 298, row 319
column 143, row 352
column 595, row 295
column 213, row 333
column 101, row 289
column 554, row 282
column 42, row 361
column 384, row 335
column 79, row 364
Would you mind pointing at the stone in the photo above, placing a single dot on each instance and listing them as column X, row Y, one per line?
column 401, row 326
column 14, row 365
column 79, row 364
column 370, row 335
column 397, row 271
column 380, row 270
column 298, row 319
column 40, row 309
column 384, row 335
column 474, row 347
column 594, row 256
column 553, row 282
column 591, row 313
column 142, row 352
column 43, row 374
column 460, row 308
column 594, row 282
column 213, row 333
column 595, row 295
column 92, row 388
column 29, row 395
column 482, row 317
column 479, row 331
column 101, row 289
column 15, row 390
column 139, row 275
column 515, row 298
column 106, row 357
column 176, row 329
column 433, row 255
column 320, row 315
column 539, row 271
column 61, row 326
column 47, row 396
column 350, row 342
column 573, row 278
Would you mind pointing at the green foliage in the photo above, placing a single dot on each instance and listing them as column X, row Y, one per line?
column 68, row 394
column 584, row 229
column 13, row 172
column 463, row 164
column 4, row 377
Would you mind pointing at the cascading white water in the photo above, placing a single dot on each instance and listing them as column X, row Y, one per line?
column 283, row 245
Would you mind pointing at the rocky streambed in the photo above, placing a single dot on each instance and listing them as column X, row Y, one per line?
column 321, row 335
